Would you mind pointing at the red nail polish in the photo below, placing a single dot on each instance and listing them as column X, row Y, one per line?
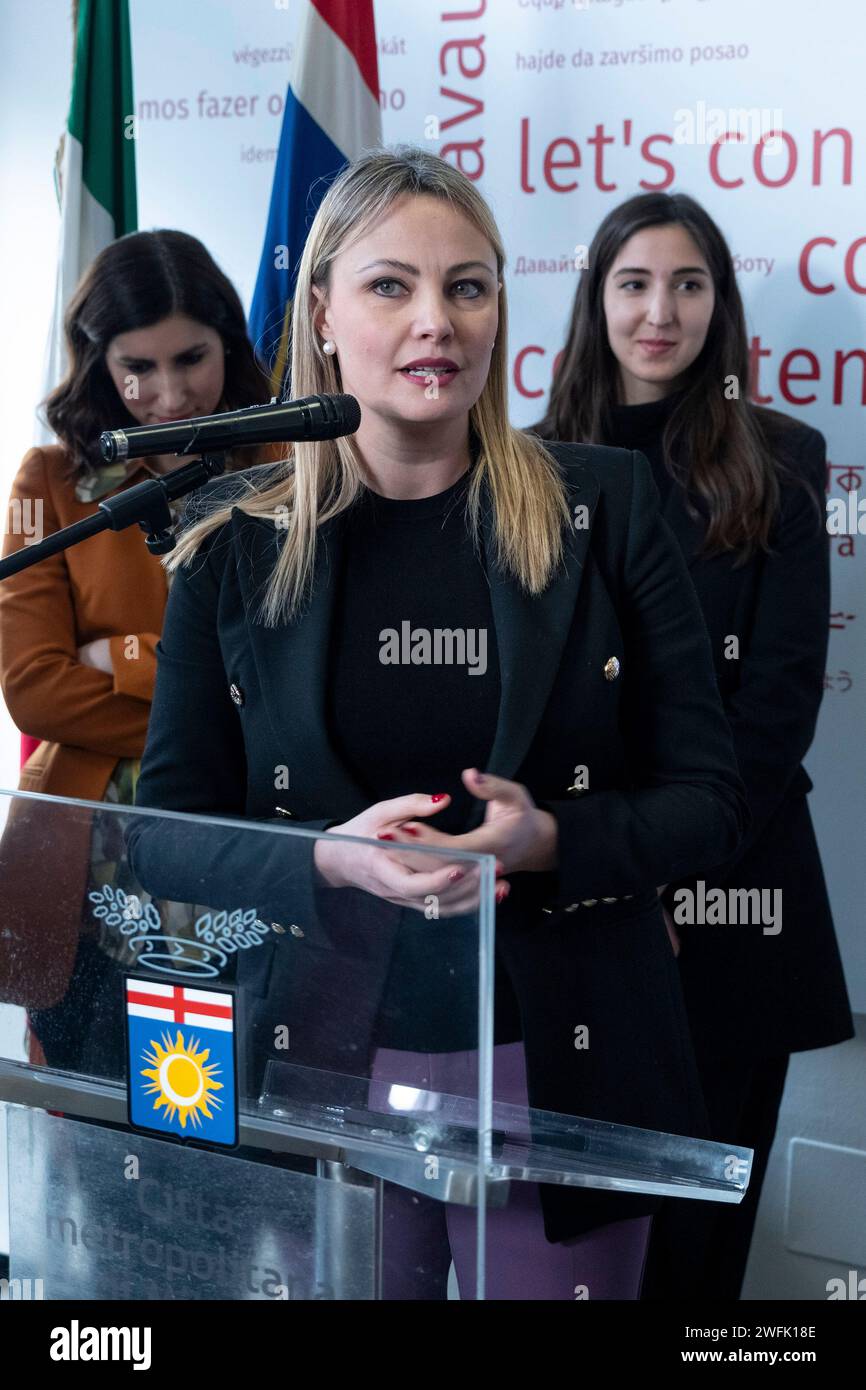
column 409, row 830
column 455, row 875
column 502, row 892
column 439, row 796
column 383, row 835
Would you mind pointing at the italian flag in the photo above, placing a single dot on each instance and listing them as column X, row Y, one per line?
column 94, row 173
column 95, row 165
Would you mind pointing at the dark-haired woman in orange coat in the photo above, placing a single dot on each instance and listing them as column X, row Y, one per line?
column 155, row 331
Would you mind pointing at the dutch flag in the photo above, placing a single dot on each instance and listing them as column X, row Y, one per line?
column 331, row 116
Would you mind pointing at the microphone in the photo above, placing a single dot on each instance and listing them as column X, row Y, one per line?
column 313, row 417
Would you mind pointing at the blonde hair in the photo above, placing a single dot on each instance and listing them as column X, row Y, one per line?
column 321, row 479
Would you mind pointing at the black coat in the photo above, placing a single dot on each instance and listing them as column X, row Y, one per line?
column 664, row 796
column 769, row 994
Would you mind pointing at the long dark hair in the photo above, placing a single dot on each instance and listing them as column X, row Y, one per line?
column 727, row 452
column 135, row 282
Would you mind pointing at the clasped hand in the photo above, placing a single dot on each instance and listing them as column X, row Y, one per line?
column 521, row 836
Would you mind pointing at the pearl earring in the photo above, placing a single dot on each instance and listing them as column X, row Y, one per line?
column 329, row 346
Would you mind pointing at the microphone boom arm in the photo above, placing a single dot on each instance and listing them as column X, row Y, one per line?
column 145, row 505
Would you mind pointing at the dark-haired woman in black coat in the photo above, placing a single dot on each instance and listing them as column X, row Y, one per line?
column 656, row 360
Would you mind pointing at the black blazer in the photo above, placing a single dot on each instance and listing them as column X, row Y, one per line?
column 611, row 667
column 769, row 994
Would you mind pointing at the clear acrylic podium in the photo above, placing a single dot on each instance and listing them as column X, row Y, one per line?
column 232, row 1071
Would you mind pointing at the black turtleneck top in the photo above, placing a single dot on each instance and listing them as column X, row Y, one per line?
column 412, row 726
column 641, row 427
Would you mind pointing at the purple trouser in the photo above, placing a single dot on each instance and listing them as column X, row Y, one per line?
column 422, row 1236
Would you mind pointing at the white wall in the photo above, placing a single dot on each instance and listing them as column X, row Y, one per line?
column 36, row 49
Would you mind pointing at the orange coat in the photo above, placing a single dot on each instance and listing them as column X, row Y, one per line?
column 107, row 586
